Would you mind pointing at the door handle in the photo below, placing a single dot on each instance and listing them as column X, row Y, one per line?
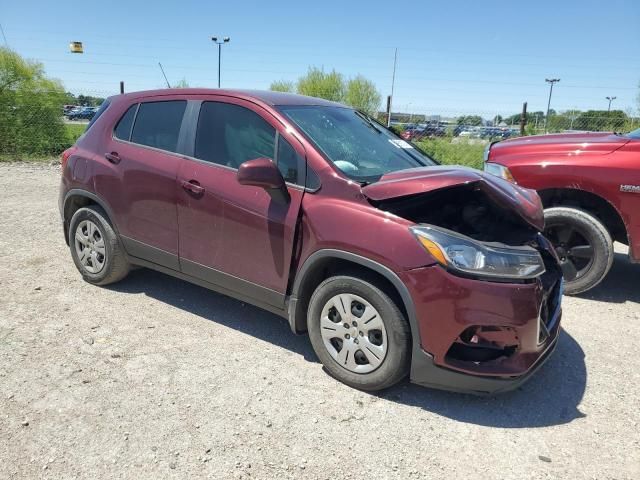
column 193, row 187
column 113, row 157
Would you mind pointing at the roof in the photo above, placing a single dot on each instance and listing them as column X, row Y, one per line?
column 265, row 96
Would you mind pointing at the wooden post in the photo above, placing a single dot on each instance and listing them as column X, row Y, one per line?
column 523, row 118
column 388, row 110
column 121, row 87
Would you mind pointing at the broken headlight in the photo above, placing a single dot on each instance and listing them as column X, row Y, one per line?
column 464, row 254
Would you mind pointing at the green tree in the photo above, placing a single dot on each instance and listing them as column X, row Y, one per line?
column 282, row 86
column 181, row 83
column 317, row 83
column 473, row 120
column 30, row 109
column 601, row 120
column 362, row 95
column 85, row 100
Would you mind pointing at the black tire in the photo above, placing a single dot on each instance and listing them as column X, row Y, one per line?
column 395, row 365
column 116, row 266
column 586, row 228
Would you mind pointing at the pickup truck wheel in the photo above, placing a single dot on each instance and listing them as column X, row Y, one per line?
column 583, row 244
column 359, row 333
column 95, row 247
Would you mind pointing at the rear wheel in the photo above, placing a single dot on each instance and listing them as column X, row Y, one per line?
column 359, row 333
column 583, row 244
column 95, row 247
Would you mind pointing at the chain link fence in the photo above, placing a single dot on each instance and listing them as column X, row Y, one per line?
column 42, row 124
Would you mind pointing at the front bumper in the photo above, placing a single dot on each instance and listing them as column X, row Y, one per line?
column 481, row 337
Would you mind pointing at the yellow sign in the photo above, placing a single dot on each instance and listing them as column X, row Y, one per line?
column 76, row 47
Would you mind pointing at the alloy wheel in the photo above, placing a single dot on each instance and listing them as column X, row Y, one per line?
column 573, row 248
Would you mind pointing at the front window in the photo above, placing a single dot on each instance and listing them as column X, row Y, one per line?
column 359, row 147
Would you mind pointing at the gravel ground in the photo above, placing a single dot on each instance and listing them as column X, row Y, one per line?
column 157, row 378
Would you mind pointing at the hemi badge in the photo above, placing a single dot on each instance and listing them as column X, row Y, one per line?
column 630, row 188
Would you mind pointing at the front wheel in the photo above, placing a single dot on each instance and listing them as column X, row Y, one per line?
column 359, row 333
column 583, row 244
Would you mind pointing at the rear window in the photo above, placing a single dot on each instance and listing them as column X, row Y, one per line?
column 158, row 124
column 102, row 108
column 123, row 129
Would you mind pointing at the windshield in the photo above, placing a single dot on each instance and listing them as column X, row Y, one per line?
column 635, row 134
column 358, row 146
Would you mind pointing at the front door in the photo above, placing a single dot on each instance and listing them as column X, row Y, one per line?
column 238, row 236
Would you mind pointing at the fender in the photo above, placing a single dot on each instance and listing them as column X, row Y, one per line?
column 320, row 255
column 78, row 192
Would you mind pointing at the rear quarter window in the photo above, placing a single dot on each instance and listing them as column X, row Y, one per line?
column 100, row 111
column 123, row 128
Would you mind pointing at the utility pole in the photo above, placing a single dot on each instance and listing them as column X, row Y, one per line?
column 215, row 40
column 523, row 118
column 393, row 81
column 611, row 99
column 551, row 82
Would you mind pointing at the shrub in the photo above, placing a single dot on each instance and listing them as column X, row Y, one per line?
column 30, row 109
column 444, row 150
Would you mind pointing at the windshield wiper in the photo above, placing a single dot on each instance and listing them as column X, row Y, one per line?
column 368, row 121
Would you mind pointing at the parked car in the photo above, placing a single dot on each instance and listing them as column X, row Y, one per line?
column 423, row 131
column 590, row 188
column 393, row 264
column 497, row 133
column 67, row 108
column 413, row 133
column 83, row 113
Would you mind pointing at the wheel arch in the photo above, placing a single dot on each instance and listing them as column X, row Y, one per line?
column 77, row 198
column 591, row 203
column 328, row 262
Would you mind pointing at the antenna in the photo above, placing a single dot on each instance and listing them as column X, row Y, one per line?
column 165, row 77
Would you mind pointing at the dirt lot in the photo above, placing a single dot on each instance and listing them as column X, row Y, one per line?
column 157, row 378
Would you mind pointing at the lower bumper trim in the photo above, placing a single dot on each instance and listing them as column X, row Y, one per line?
column 426, row 373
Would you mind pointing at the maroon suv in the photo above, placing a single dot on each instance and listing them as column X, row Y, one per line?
column 393, row 264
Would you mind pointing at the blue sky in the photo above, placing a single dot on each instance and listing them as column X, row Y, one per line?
column 453, row 57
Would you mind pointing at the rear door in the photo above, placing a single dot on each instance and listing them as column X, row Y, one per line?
column 233, row 235
column 141, row 187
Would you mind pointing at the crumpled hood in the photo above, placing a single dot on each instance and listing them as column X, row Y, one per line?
column 523, row 201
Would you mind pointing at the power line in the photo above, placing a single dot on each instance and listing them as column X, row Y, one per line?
column 4, row 36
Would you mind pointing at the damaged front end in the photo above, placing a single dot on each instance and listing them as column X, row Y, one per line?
column 505, row 284
column 463, row 200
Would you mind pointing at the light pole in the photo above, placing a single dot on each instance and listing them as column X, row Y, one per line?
column 611, row 99
column 219, row 43
column 550, row 81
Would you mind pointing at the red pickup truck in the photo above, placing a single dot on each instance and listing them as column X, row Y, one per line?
column 589, row 184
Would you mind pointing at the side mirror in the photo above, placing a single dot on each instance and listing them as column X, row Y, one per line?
column 262, row 172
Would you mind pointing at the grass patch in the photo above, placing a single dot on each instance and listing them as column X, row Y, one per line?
column 71, row 133
column 456, row 152
column 74, row 130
